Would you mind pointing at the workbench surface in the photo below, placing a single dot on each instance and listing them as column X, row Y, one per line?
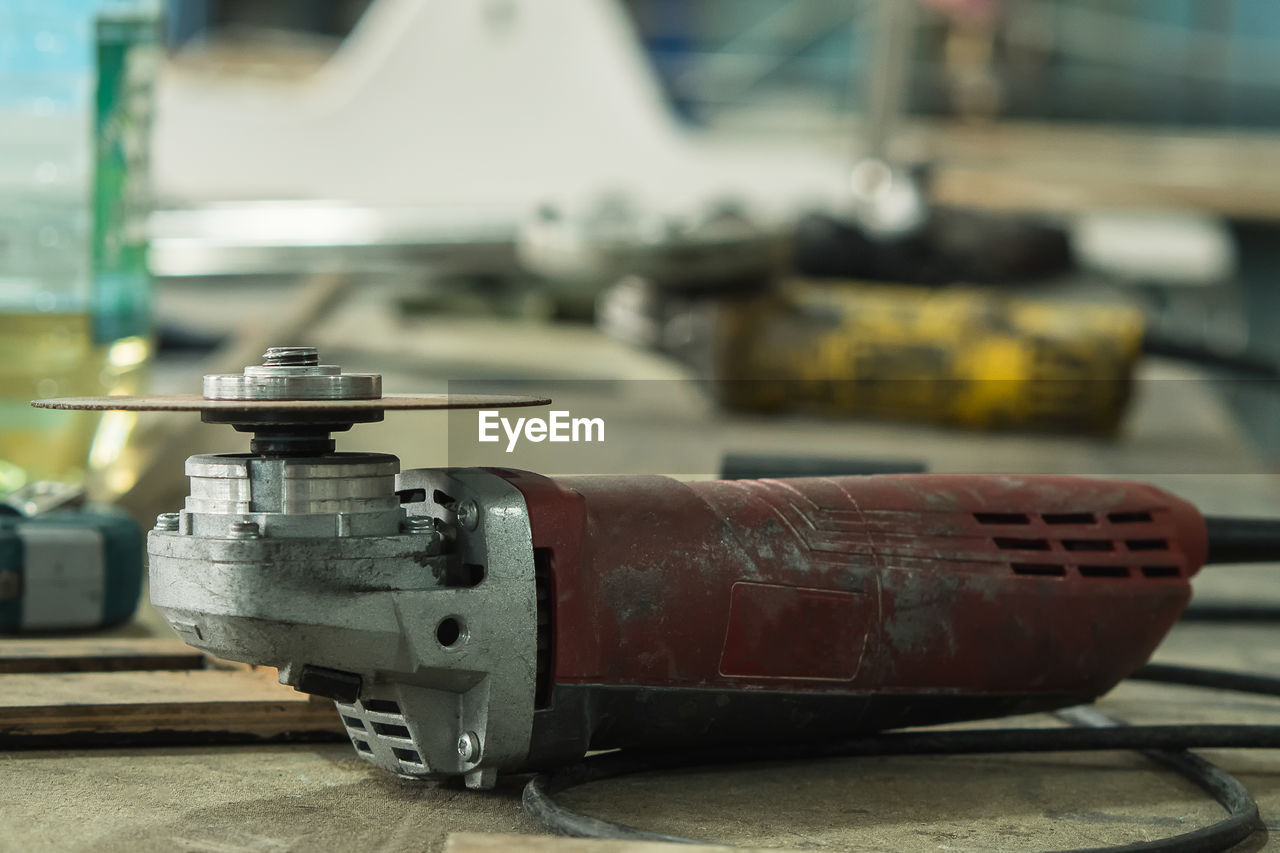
column 320, row 796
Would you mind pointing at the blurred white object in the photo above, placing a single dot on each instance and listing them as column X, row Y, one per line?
column 490, row 106
column 1150, row 247
column 712, row 249
column 886, row 201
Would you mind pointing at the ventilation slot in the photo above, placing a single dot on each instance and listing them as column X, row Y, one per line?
column 1147, row 544
column 382, row 706
column 1088, row 545
column 1001, row 518
column 391, row 730
column 1043, row 569
column 1128, row 517
column 542, row 587
column 1068, row 517
column 353, row 722
column 412, row 496
column 363, row 746
column 1104, row 571
column 407, row 755
column 443, row 498
column 1160, row 571
column 1011, row 544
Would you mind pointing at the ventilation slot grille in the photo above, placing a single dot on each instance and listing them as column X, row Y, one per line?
column 1129, row 517
column 1067, row 547
column 392, row 730
column 377, row 728
column 1160, row 572
column 1068, row 518
column 1002, row 518
column 1043, row 569
column 1103, row 571
column 1009, row 543
column 408, row 756
column 381, row 706
column 1088, row 545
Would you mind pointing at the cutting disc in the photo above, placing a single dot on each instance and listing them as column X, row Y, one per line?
column 388, row 402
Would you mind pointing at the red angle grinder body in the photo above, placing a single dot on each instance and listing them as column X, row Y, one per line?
column 710, row 613
column 475, row 621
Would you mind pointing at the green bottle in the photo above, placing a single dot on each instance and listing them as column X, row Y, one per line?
column 75, row 103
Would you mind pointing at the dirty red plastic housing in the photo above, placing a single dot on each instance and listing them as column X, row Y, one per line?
column 902, row 584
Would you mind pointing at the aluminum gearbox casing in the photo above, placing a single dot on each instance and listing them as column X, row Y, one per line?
column 408, row 598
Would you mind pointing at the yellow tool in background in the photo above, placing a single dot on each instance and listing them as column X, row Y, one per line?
column 959, row 355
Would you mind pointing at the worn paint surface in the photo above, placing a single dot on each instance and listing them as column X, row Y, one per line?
column 911, row 584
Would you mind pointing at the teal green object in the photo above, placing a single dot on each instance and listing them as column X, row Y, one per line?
column 11, row 560
column 121, row 561
column 126, row 58
column 122, row 548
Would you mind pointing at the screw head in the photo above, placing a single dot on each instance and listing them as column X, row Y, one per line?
column 167, row 522
column 469, row 747
column 246, row 528
column 290, row 357
column 468, row 514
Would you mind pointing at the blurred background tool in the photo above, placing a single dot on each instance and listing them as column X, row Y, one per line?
column 75, row 81
column 957, row 355
column 717, row 292
column 965, row 356
column 710, row 250
column 65, row 565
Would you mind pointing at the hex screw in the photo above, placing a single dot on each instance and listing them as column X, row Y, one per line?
column 469, row 747
column 468, row 514
column 167, row 522
column 246, row 528
column 290, row 357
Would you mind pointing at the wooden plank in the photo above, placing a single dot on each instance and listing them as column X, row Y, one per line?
column 97, row 655
column 87, row 705
column 64, row 691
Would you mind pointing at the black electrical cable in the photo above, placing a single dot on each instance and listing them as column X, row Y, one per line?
column 1165, row 744
column 1243, row 540
column 1156, row 741
column 1242, row 818
column 1267, row 614
column 1243, row 364
column 1218, row 679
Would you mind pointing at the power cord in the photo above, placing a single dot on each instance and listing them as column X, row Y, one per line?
column 1165, row 745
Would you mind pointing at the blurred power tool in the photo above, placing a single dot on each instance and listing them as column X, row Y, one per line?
column 64, row 566
column 476, row 621
column 944, row 246
column 710, row 251
column 958, row 355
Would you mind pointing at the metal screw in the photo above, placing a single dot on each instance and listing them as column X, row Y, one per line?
column 245, row 529
column 468, row 514
column 167, row 521
column 469, row 747
column 290, row 357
